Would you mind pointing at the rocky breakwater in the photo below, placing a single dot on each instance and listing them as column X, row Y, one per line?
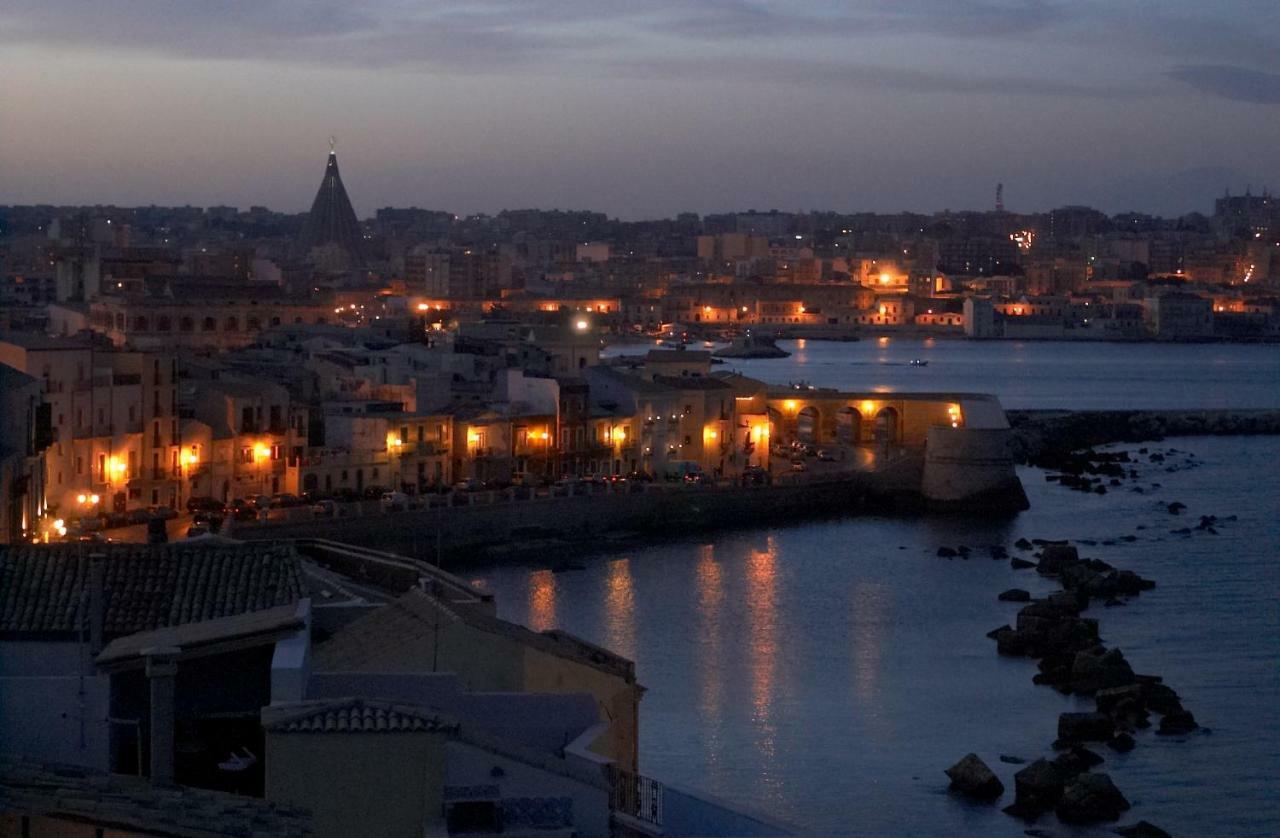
column 1073, row 659
column 1038, row 434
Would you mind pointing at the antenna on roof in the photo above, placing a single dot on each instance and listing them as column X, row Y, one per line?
column 332, row 143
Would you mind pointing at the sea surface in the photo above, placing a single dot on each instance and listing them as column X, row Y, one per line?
column 1033, row 374
column 828, row 672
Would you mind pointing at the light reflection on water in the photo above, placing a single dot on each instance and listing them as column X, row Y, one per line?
column 817, row 671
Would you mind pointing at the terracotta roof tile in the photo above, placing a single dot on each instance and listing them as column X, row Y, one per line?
column 43, row 588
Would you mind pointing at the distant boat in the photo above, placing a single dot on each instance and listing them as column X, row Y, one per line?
column 919, row 362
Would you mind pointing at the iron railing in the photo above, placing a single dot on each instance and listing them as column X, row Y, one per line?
column 636, row 795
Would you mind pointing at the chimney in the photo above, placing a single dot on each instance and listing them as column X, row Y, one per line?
column 97, row 600
column 162, row 666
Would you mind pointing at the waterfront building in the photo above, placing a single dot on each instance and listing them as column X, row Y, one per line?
column 1176, row 315
column 25, row 433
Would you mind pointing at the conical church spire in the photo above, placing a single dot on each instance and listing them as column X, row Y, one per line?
column 332, row 219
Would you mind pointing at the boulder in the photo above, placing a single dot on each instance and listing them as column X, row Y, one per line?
column 946, row 553
column 1076, row 760
column 1159, row 697
column 1056, row 557
column 1022, row 544
column 1037, row 789
column 1092, row 671
column 1122, row 744
column 1085, row 727
column 1015, row 595
column 971, row 776
column 1020, row 564
column 1011, row 760
column 1176, row 508
column 1113, row 699
column 1091, row 798
column 1177, row 723
column 1143, row 829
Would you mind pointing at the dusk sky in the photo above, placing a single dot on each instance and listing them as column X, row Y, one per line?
column 641, row 108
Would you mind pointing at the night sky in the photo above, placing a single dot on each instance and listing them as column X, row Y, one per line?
column 641, row 108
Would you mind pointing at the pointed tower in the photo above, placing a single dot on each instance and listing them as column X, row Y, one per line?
column 332, row 220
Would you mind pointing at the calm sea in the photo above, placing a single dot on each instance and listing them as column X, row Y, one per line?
column 828, row 672
column 1031, row 374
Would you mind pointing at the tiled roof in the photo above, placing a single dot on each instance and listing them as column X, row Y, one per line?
column 253, row 628
column 353, row 715
column 378, row 636
column 43, row 589
column 132, row 805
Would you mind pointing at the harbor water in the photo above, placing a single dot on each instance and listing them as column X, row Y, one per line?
column 827, row 672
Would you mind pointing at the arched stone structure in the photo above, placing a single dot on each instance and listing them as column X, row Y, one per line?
column 848, row 426
column 888, row 426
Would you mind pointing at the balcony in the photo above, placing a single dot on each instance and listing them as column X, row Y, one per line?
column 636, row 796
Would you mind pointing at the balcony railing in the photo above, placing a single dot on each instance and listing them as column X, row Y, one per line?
column 636, row 795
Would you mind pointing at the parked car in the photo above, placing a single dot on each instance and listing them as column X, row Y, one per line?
column 205, row 504
column 825, row 456
column 283, row 500
column 198, row 529
column 164, row 513
column 324, row 509
column 394, row 501
column 243, row 510
column 261, row 501
column 754, row 476
column 798, row 465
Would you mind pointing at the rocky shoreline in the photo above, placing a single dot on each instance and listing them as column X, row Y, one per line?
column 1072, row 657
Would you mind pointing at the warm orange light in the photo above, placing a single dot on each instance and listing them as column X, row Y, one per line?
column 93, row 498
column 868, row 408
column 883, row 310
column 117, row 465
column 885, row 278
column 423, row 306
column 262, row 452
column 81, row 498
column 790, row 405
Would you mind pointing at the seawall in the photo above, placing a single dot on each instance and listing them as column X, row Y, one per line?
column 1040, row 432
column 560, row 527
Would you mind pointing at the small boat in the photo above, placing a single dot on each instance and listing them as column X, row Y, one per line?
column 919, row 362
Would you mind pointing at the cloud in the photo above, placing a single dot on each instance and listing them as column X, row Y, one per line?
column 1230, row 82
column 870, row 76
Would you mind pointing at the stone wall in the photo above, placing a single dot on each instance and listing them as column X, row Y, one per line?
column 971, row 467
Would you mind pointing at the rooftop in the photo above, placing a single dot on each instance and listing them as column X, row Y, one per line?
column 43, row 588
column 206, row 637
column 129, row 804
column 352, row 715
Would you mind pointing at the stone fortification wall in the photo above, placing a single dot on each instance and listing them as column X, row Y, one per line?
column 972, row 467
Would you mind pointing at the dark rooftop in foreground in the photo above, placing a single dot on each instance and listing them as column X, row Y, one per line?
column 85, row 798
column 146, row 586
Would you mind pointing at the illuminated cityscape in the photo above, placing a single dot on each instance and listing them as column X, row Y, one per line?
column 667, row 517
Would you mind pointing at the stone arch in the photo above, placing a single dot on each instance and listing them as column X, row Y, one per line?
column 848, row 425
column 888, row 426
column 809, row 425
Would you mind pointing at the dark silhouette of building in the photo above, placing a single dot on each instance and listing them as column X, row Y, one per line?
column 332, row 221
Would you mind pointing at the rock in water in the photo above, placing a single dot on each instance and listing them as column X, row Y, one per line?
column 1085, row 727
column 1091, row 798
column 946, row 553
column 1037, row 789
column 1177, row 723
column 1056, row 557
column 1122, row 743
column 1015, row 595
column 972, row 777
column 1143, row 829
column 1020, row 564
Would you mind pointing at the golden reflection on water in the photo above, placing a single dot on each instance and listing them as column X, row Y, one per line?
column 619, row 609
column 869, row 607
column 542, row 600
column 709, row 663
column 762, row 637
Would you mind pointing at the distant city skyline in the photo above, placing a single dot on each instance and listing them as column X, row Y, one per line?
column 642, row 109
